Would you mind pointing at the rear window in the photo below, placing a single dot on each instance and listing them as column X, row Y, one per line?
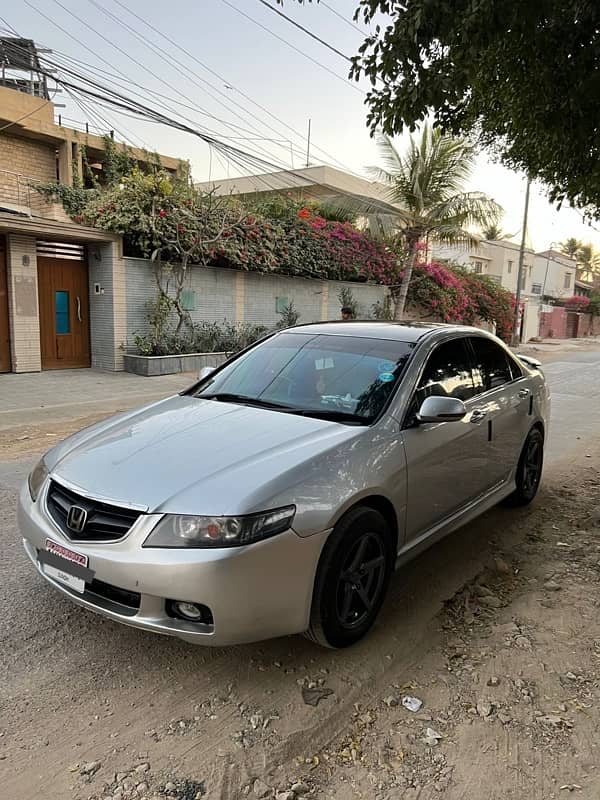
column 493, row 366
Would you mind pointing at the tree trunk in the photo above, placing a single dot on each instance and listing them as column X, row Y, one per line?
column 400, row 299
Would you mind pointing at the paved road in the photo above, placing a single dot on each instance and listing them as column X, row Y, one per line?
column 74, row 687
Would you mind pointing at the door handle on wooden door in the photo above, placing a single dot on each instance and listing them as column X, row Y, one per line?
column 79, row 309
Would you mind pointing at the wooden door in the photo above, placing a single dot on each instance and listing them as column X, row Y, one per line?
column 572, row 325
column 64, row 313
column 5, row 364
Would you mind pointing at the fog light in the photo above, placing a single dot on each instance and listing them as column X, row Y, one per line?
column 191, row 612
column 188, row 611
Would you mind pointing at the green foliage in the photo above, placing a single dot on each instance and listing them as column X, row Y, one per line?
column 594, row 306
column 288, row 317
column 73, row 198
column 117, row 161
column 202, row 337
column 347, row 300
column 383, row 310
column 427, row 182
column 522, row 76
column 453, row 294
column 158, row 314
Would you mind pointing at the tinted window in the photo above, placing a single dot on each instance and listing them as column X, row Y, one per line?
column 316, row 373
column 447, row 373
column 493, row 366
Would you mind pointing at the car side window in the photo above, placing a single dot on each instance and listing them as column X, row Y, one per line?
column 448, row 373
column 493, row 366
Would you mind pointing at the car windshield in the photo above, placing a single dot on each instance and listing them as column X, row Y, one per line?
column 343, row 378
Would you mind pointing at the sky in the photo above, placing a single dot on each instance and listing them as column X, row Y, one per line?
column 226, row 74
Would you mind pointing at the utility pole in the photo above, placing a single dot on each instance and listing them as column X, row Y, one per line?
column 516, row 337
column 308, row 146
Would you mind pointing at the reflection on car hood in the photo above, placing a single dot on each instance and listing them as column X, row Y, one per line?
column 192, row 456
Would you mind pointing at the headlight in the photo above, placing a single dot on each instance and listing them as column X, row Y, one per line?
column 186, row 531
column 36, row 479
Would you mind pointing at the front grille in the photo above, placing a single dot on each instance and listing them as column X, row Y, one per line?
column 104, row 522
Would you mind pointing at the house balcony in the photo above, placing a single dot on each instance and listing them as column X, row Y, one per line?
column 18, row 196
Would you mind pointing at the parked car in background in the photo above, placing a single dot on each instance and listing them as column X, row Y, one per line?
column 277, row 494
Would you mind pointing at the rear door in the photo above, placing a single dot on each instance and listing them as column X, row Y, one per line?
column 503, row 395
column 446, row 462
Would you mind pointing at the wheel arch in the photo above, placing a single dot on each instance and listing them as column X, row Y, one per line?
column 380, row 503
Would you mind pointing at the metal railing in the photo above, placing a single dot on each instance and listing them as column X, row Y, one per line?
column 17, row 189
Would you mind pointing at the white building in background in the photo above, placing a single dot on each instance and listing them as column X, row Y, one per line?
column 546, row 276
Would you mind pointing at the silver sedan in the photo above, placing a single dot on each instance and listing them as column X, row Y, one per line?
column 277, row 494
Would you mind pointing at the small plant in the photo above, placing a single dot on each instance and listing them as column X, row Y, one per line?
column 347, row 300
column 288, row 317
column 383, row 310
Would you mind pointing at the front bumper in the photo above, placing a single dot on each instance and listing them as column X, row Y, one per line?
column 255, row 592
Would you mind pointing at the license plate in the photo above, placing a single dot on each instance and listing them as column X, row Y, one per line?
column 65, row 566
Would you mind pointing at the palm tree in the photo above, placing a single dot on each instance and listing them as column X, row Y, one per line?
column 427, row 182
column 588, row 262
column 570, row 247
column 494, row 233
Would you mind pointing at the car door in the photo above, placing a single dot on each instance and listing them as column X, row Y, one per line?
column 445, row 461
column 504, row 397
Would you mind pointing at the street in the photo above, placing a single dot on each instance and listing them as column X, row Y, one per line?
column 83, row 700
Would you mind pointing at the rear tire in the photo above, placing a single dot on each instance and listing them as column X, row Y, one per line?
column 529, row 470
column 352, row 579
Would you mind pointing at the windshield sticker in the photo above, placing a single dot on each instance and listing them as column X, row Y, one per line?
column 386, row 366
column 386, row 377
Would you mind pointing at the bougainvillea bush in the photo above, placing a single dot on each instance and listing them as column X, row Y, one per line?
column 305, row 244
column 452, row 294
column 180, row 227
column 577, row 303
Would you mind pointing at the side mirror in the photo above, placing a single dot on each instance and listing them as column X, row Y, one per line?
column 441, row 409
column 205, row 372
column 530, row 362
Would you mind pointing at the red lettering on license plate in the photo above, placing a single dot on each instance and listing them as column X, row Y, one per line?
column 64, row 552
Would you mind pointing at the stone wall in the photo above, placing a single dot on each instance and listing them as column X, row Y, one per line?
column 220, row 295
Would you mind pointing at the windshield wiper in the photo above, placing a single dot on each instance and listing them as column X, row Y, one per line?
column 333, row 414
column 227, row 397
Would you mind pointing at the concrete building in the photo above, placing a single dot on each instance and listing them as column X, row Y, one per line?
column 547, row 277
column 321, row 183
column 62, row 286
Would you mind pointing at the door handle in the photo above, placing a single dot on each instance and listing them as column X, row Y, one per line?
column 79, row 309
column 523, row 393
column 478, row 414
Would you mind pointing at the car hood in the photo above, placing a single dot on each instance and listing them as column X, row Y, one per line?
column 192, row 456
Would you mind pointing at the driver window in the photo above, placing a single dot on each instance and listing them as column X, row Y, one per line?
column 447, row 373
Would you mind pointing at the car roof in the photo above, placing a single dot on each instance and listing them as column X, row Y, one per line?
column 373, row 329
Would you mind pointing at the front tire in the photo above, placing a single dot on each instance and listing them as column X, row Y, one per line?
column 529, row 470
column 352, row 579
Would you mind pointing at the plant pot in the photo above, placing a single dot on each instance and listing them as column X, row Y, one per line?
column 150, row 366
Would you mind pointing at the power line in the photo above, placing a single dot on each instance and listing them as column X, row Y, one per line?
column 262, row 108
column 342, row 17
column 124, row 53
column 164, row 56
column 289, row 44
column 305, row 30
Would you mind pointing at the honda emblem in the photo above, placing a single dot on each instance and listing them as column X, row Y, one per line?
column 76, row 519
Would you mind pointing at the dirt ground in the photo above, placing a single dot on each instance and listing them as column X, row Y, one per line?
column 507, row 669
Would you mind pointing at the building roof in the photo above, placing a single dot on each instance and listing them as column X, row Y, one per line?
column 369, row 194
column 556, row 255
